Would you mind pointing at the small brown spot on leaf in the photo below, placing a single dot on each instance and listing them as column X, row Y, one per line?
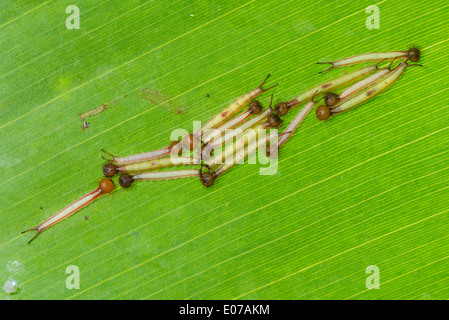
column 161, row 99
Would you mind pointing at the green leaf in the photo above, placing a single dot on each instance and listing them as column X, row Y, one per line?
column 368, row 187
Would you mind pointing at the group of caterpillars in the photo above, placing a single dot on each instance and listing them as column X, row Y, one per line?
column 362, row 85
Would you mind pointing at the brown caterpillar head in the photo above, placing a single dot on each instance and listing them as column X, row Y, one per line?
column 109, row 170
column 331, row 99
column 323, row 112
column 255, row 107
column 125, row 180
column 281, row 109
column 207, row 179
column 274, row 121
column 414, row 54
column 106, row 185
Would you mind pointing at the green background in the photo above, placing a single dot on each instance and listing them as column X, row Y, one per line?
column 368, row 187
